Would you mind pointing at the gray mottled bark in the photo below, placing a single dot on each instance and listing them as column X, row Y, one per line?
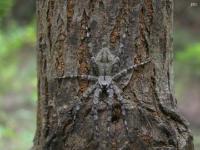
column 70, row 32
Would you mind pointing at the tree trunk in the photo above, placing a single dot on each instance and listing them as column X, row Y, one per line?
column 70, row 33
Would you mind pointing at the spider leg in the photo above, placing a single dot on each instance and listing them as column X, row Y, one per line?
column 85, row 95
column 125, row 71
column 121, row 100
column 116, row 60
column 75, row 112
column 110, row 107
column 82, row 77
column 95, row 109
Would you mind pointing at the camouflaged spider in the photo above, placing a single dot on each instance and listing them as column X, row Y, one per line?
column 105, row 82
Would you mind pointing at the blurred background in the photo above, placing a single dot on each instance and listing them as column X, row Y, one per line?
column 18, row 96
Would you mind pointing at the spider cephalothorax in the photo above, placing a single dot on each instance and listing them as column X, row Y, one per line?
column 104, row 63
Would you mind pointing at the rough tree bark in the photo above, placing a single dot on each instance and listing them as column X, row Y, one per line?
column 70, row 32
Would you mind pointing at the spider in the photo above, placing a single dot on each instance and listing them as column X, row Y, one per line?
column 105, row 82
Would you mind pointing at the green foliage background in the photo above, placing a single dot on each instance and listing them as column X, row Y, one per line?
column 17, row 81
column 5, row 6
column 18, row 77
column 17, row 87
